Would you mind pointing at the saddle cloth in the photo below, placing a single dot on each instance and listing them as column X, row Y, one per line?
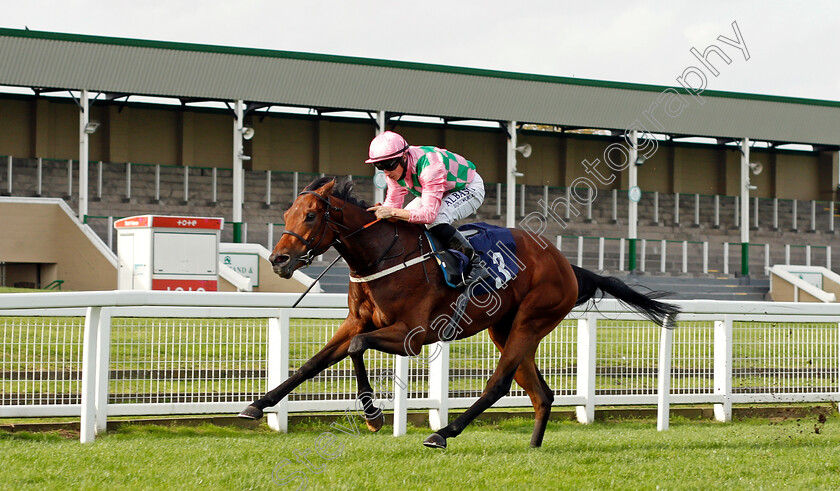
column 494, row 245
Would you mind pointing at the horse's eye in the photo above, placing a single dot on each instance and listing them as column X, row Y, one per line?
column 310, row 216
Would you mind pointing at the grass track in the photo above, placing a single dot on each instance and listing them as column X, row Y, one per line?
column 605, row 455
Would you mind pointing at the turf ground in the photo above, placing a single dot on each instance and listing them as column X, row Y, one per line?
column 752, row 454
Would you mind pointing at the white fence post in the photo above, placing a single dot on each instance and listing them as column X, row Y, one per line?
column 401, row 394
column 268, row 188
column 103, row 360
column 726, row 258
column 580, row 251
column 656, row 207
column 278, row 368
column 587, row 332
column 696, row 209
column 775, row 213
column 498, row 199
column 545, row 201
column 643, row 256
column 522, row 200
column 662, row 256
column 615, row 205
column 717, row 211
column 787, row 254
column 69, row 179
column 685, row 256
column 705, row 257
column 186, row 183
column 600, row 253
column 439, row 386
column 9, row 174
column 621, row 254
column 767, row 259
column 677, row 208
column 214, row 195
column 559, row 242
column 87, row 430
column 157, row 182
column 794, row 215
column 827, row 257
column 808, row 255
column 128, row 180
column 663, row 411
column 723, row 368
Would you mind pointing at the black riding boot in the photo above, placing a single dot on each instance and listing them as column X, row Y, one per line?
column 452, row 237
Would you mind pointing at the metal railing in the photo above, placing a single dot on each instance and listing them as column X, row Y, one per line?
column 101, row 354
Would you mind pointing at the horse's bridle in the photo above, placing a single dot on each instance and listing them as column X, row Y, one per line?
column 311, row 251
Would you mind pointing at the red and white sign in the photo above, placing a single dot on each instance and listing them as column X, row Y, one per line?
column 146, row 221
column 185, row 285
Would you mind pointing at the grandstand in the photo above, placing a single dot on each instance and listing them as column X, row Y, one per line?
column 314, row 114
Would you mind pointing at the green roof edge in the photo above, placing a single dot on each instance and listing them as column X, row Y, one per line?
column 352, row 60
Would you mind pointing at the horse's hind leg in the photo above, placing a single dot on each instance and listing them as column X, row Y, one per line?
column 516, row 350
column 528, row 376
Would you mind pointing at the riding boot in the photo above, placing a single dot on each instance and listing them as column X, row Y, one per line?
column 476, row 270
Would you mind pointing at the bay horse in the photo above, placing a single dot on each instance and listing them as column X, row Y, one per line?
column 394, row 313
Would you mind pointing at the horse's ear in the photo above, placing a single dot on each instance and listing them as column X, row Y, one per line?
column 326, row 189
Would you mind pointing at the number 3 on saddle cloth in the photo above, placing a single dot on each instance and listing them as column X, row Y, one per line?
column 496, row 249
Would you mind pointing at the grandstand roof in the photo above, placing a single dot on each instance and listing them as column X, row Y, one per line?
column 117, row 65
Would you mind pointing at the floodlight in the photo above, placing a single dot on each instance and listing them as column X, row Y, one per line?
column 91, row 127
column 247, row 132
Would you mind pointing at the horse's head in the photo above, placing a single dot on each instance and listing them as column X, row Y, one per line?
column 308, row 232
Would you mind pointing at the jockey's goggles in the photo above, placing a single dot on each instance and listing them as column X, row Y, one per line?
column 388, row 165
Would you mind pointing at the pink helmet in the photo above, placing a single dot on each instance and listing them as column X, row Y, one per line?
column 386, row 145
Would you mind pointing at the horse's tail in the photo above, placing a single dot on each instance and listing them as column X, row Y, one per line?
column 589, row 283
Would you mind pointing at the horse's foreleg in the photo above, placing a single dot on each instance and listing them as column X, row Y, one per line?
column 373, row 414
column 334, row 351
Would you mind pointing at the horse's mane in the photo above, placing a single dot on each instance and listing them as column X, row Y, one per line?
column 342, row 190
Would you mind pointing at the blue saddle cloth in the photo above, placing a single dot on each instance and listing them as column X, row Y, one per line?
column 495, row 247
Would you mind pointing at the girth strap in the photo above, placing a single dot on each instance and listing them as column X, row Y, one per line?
column 393, row 269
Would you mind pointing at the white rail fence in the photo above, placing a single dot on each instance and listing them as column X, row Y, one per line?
column 101, row 354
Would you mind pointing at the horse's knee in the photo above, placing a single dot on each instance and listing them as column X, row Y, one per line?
column 499, row 388
column 357, row 345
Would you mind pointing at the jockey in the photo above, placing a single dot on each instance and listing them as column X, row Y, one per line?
column 446, row 187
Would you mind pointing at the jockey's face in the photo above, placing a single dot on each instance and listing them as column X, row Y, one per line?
column 397, row 172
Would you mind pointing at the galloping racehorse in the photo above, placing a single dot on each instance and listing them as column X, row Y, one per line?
column 394, row 313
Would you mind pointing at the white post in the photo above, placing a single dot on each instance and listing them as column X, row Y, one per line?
column 697, row 209
column 69, row 177
column 737, row 211
column 103, row 360
column 795, row 213
column 510, row 219
column 775, row 213
column 787, row 254
column 580, row 251
column 589, row 204
column 128, row 180
column 656, row 207
column 827, row 257
column 278, row 368
column 98, row 181
column 717, row 211
column 559, row 242
column 587, row 332
column 808, row 255
column 545, row 201
column 621, row 254
column 831, row 216
column 498, row 199
column 755, row 212
column 600, row 253
column 87, row 430
column 685, row 256
column 522, row 200
column 663, row 411
column 632, row 206
column 813, row 215
column 677, row 208
column 642, row 256
column 186, row 183
column 238, row 173
column 439, row 386
column 401, row 395
column 378, row 193
column 705, row 257
column 270, row 239
column 663, row 256
column 111, row 233
column 615, row 205
column 84, row 118
column 568, row 201
column 295, row 186
column 40, row 178
column 723, row 369
column 726, row 258
column 157, row 182
column 767, row 259
column 267, row 188
column 214, row 174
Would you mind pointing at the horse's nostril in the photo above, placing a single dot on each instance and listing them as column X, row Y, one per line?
column 280, row 259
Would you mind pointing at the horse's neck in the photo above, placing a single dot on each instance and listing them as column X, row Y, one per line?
column 361, row 249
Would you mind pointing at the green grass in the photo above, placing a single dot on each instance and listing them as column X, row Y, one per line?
column 606, row 455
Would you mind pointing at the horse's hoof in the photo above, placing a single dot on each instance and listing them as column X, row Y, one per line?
column 251, row 412
column 435, row 441
column 376, row 423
